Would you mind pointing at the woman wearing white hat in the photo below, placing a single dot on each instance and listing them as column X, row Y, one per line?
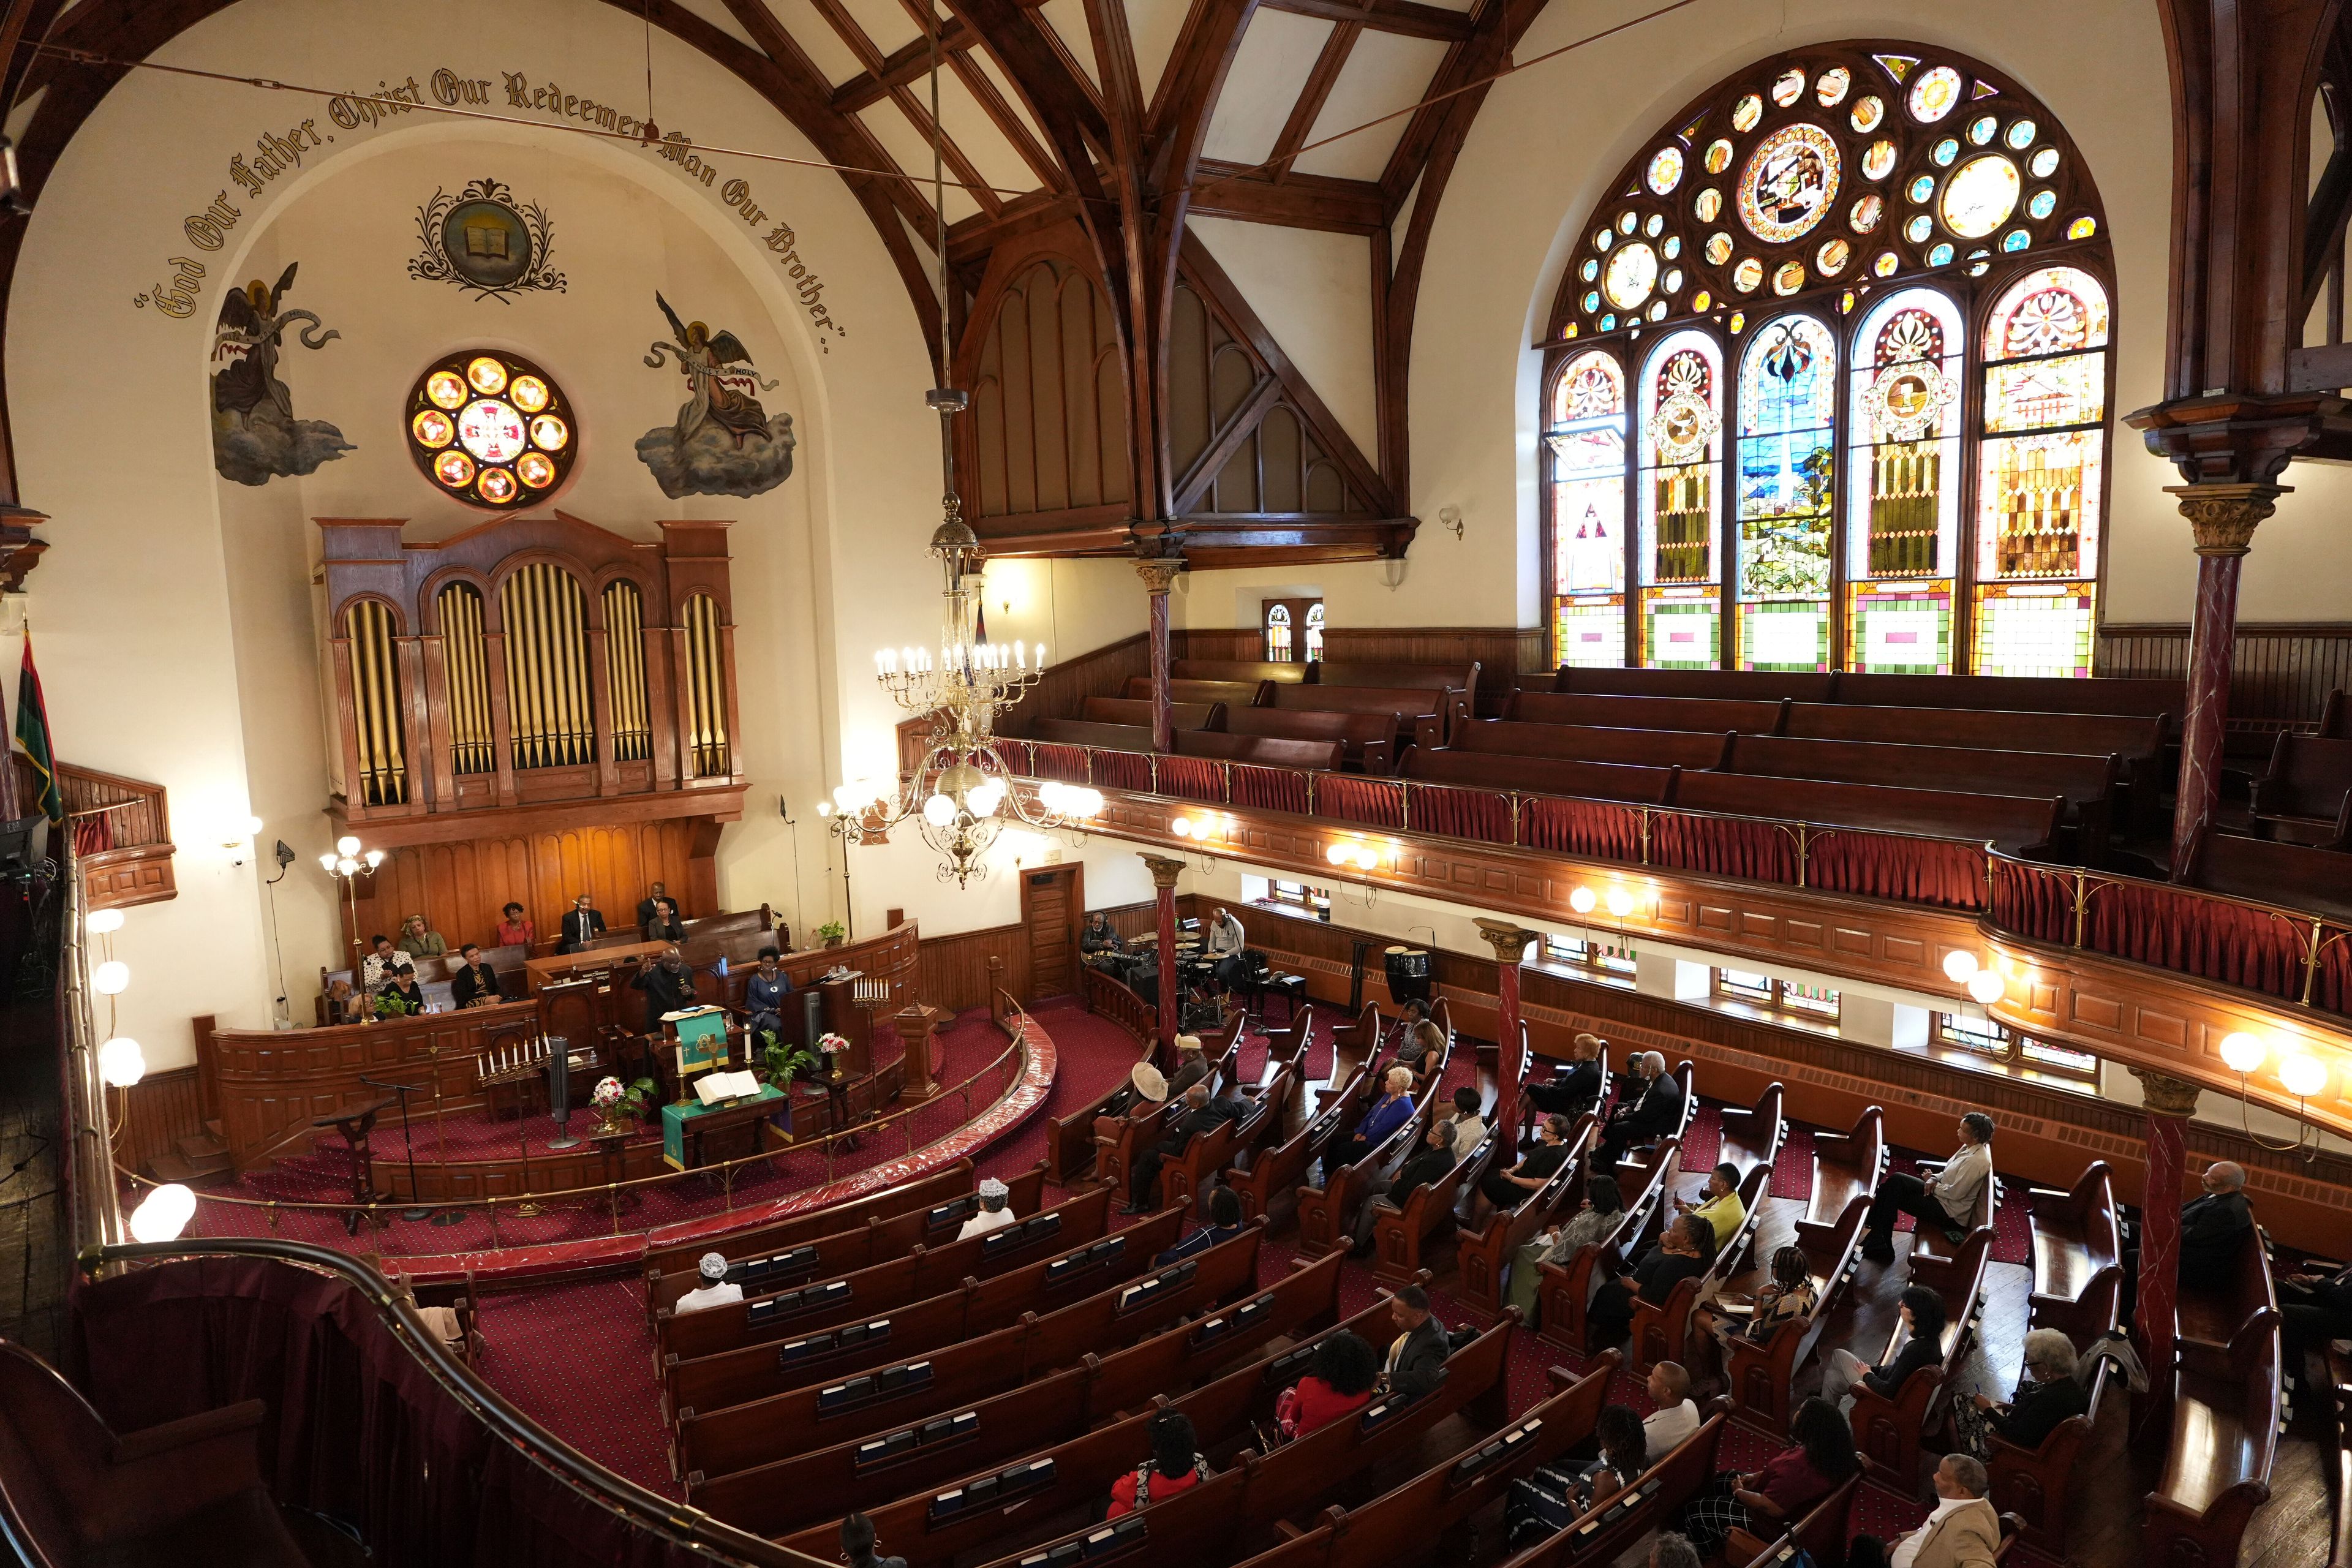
column 716, row 1290
column 996, row 1210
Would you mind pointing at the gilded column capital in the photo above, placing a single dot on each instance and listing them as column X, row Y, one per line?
column 1163, row 870
column 1509, row 941
column 2164, row 1094
column 1158, row 573
column 2222, row 518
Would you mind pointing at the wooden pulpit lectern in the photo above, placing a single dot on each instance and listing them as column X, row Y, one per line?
column 918, row 1037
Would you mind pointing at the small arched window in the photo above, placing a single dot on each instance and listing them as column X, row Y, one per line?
column 1277, row 633
column 1828, row 382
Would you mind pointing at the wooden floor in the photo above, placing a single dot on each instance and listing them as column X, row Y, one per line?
column 2116, row 1470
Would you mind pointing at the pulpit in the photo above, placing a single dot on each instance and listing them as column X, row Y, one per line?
column 918, row 1039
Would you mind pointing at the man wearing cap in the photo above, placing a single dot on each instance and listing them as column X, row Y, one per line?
column 1192, row 1064
column 715, row 1289
column 1200, row 1114
column 996, row 1210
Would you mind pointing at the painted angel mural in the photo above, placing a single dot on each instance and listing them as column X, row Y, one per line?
column 723, row 443
column 255, row 436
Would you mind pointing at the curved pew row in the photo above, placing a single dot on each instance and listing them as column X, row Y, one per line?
column 1563, row 1290
column 1482, row 1256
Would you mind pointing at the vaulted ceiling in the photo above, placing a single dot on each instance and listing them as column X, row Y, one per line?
column 1115, row 119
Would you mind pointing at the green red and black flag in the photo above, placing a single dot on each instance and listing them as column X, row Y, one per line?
column 32, row 740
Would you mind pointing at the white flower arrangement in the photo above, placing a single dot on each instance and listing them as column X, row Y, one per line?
column 606, row 1095
column 833, row 1043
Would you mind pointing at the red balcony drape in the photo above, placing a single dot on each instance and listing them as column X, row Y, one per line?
column 2033, row 901
column 1582, row 827
column 1373, row 803
column 2179, row 929
column 1269, row 789
column 1067, row 763
column 1724, row 846
column 1194, row 778
column 1884, row 865
column 1481, row 814
column 1123, row 770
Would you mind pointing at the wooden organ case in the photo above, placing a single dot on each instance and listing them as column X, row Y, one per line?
column 558, row 698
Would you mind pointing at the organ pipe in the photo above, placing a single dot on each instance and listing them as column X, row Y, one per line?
column 705, row 688
column 547, row 668
column 465, row 669
column 624, row 671
column 375, row 704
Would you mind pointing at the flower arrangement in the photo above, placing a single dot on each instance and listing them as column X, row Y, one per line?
column 612, row 1101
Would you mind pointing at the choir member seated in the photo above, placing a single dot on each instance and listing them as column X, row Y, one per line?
column 662, row 924
column 515, row 929
column 475, row 984
column 648, row 906
column 581, row 924
column 764, row 994
column 419, row 942
column 403, row 997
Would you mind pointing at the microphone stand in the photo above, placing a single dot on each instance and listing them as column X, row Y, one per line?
column 447, row 1217
column 416, row 1194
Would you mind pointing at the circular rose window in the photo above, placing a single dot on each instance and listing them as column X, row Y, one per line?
column 491, row 429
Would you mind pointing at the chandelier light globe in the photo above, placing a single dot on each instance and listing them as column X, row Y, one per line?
column 1052, row 795
column 347, row 866
column 2244, row 1052
column 1960, row 965
column 1986, row 986
column 111, row 978
column 120, row 1062
column 164, row 1214
column 374, row 858
column 1621, row 903
column 348, row 845
column 327, row 862
column 1583, row 900
column 103, row 922
column 984, row 801
column 2304, row 1076
column 938, row 811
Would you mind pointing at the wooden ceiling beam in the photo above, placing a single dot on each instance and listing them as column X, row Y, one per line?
column 1404, row 16
column 1221, row 189
column 901, row 67
column 982, row 87
column 970, row 239
column 1313, row 96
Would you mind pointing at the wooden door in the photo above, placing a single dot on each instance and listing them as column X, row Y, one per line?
column 1053, row 904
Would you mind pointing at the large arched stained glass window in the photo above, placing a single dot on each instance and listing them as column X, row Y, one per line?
column 1827, row 381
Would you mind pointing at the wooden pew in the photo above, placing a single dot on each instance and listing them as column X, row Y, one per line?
column 2034, row 1483
column 1398, row 1230
column 785, row 1490
column 2295, row 875
column 942, row 1200
column 2224, row 1433
column 1483, row 1255
column 2140, row 741
column 2077, row 1258
column 1120, row 1140
column 877, row 1288
column 1733, row 685
column 929, row 1528
column 1706, row 715
column 1821, row 1533
column 2013, row 822
column 1563, row 1290
column 1547, row 776
column 1186, row 1177
column 1130, row 710
column 1279, row 1167
column 1605, row 1533
column 1102, row 737
column 1660, row 1331
column 755, row 1371
column 1282, row 674
column 1262, row 751
column 1370, row 740
column 1070, row 1140
column 2138, row 695
column 1256, row 1493
column 2304, row 796
column 1586, row 743
column 2090, row 785
column 1888, row 1428
column 1423, row 677
column 1325, row 1212
column 1404, row 1528
column 739, row 1438
column 1407, row 705
column 1232, row 693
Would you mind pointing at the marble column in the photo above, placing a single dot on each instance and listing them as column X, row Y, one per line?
column 2222, row 518
column 1159, row 574
column 2169, row 1103
column 1510, row 945
column 1164, row 873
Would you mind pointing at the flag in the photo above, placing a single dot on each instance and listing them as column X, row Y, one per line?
column 32, row 740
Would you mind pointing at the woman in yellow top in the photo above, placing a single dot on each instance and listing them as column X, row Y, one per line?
column 1722, row 1207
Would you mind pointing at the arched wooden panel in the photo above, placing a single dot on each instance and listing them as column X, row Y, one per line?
column 460, row 887
column 1049, row 402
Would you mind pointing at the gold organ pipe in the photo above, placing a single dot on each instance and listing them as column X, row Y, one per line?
column 547, row 668
column 558, row 635
column 625, row 662
column 707, row 714
column 575, row 669
column 469, row 705
column 375, row 698
column 515, row 601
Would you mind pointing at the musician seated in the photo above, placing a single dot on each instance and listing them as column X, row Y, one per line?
column 996, row 1210
column 515, row 929
column 715, row 1289
column 403, row 997
column 475, row 984
column 663, row 924
column 1098, row 939
column 581, row 924
column 764, row 994
column 668, row 986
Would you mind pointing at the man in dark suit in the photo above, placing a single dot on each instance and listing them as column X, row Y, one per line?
column 1200, row 1115
column 1416, row 1358
column 2213, row 1225
column 2313, row 1308
column 1577, row 1091
column 1656, row 1112
column 645, row 906
column 668, row 986
column 580, row 923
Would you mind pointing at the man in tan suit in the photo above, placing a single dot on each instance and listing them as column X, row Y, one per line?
column 1963, row 1531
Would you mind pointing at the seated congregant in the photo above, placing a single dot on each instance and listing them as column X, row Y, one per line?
column 1922, row 1312
column 382, row 958
column 1389, row 1112
column 1416, row 1358
column 1466, row 1126
column 996, row 1210
column 1423, row 1045
column 2048, row 1396
column 1192, row 1064
column 1675, row 1416
column 515, row 927
column 648, row 906
column 663, row 924
column 1576, row 1092
column 417, row 941
column 1175, row 1466
column 859, row 1548
column 1722, row 1206
column 764, row 993
column 1946, row 1198
column 1507, row 1189
column 1964, row 1531
column 475, row 984
column 715, row 1289
column 2314, row 1308
column 581, row 924
column 1641, row 1118
column 2215, row 1222
column 1429, row 1163
column 1198, row 1116
column 1339, row 1382
column 1603, row 1210
column 1767, row 1502
column 1685, row 1250
column 1225, row 1223
column 403, row 997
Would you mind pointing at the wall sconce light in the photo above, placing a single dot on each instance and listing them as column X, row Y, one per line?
column 1986, row 987
column 234, row 844
column 1960, row 966
column 111, row 978
column 164, row 1214
column 1583, row 900
column 2301, row 1073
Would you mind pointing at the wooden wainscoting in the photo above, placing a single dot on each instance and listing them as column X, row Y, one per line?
column 459, row 886
column 2280, row 673
column 152, row 1115
column 954, row 972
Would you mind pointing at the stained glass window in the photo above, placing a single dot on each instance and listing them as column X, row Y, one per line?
column 1315, row 632
column 1823, row 262
column 490, row 429
column 1277, row 633
column 1788, row 396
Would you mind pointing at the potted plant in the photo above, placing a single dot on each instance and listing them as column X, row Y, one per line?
column 834, row 933
column 614, row 1103
column 783, row 1062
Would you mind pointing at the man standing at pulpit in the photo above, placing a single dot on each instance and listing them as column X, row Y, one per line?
column 764, row 994
column 580, row 924
column 668, row 986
